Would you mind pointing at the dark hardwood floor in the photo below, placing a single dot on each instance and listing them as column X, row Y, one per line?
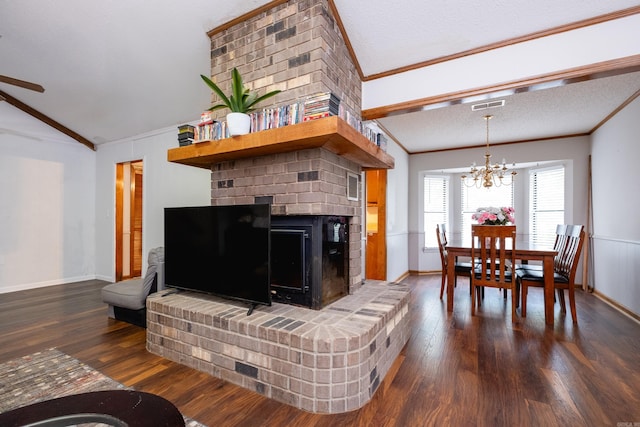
column 456, row 370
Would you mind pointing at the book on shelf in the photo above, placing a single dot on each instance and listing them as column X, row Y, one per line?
column 381, row 141
column 320, row 105
column 206, row 118
column 185, row 134
column 185, row 129
column 309, row 117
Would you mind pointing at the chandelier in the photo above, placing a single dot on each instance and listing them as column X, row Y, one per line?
column 488, row 176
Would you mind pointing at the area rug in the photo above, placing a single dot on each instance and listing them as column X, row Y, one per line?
column 50, row 374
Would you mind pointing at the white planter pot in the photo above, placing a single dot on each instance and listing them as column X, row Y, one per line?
column 238, row 123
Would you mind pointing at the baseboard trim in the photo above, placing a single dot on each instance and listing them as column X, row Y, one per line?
column 27, row 286
column 617, row 306
column 424, row 272
column 402, row 277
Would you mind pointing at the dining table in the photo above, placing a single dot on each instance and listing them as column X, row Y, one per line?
column 526, row 251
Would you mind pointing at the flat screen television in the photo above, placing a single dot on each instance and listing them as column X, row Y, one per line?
column 220, row 250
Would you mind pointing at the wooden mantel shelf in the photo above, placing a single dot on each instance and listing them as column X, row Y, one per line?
column 331, row 133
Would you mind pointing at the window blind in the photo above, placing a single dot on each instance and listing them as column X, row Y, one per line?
column 546, row 204
column 474, row 198
column 436, row 206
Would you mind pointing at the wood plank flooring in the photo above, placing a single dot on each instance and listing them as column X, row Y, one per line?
column 456, row 370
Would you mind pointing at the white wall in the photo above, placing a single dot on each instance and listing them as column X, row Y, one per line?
column 573, row 151
column 616, row 223
column 47, row 199
column 397, row 215
column 165, row 184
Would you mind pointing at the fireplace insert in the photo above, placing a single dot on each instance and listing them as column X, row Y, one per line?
column 309, row 259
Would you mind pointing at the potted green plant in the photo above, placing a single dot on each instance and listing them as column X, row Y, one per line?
column 240, row 102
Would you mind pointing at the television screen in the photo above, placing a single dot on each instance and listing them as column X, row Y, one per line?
column 221, row 250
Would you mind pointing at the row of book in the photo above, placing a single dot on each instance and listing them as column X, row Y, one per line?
column 316, row 106
column 313, row 107
column 376, row 137
column 270, row 118
column 211, row 131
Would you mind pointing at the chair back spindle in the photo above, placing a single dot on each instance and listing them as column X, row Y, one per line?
column 494, row 249
column 571, row 251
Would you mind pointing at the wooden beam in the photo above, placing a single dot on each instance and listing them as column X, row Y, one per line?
column 22, row 83
column 46, row 119
column 510, row 42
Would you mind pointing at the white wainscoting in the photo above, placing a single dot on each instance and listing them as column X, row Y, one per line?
column 617, row 271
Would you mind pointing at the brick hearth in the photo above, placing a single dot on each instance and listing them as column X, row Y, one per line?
column 324, row 361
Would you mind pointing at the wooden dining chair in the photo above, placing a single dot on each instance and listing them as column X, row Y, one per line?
column 461, row 268
column 558, row 246
column 494, row 249
column 565, row 267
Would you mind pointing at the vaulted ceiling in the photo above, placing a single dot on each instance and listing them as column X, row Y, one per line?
column 112, row 70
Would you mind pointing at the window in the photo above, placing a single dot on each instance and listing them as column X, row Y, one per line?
column 436, row 206
column 546, row 204
column 474, row 198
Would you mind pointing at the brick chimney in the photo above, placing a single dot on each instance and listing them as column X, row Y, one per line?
column 296, row 47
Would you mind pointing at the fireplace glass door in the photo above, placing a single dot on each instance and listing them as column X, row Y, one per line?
column 288, row 254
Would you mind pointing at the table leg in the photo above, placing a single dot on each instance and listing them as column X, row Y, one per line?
column 451, row 268
column 548, row 289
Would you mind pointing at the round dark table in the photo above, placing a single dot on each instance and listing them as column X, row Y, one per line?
column 114, row 407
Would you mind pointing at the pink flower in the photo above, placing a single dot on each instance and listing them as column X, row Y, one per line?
column 494, row 216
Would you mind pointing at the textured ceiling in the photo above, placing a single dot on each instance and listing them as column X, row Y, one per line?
column 115, row 69
column 565, row 110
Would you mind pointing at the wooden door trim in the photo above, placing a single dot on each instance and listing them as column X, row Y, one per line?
column 382, row 223
column 376, row 246
column 132, row 215
column 137, row 190
column 119, row 219
column 120, row 193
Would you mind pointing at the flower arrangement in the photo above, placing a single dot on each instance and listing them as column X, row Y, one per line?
column 494, row 216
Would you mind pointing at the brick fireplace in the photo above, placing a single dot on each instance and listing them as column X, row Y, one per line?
column 332, row 358
column 327, row 360
column 310, row 182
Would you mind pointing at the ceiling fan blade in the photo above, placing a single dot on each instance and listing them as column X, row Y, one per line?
column 21, row 83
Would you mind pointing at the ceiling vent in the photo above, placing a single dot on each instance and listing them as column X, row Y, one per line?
column 485, row 105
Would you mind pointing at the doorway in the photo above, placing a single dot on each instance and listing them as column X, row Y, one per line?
column 376, row 246
column 129, row 219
